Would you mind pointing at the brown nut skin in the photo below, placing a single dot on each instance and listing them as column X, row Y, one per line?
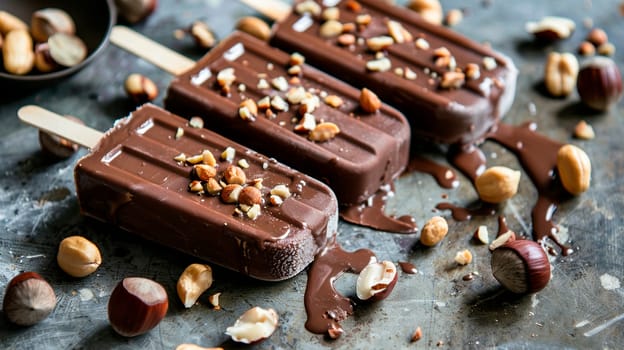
column 134, row 11
column 28, row 299
column 136, row 306
column 78, row 256
column 521, row 266
column 49, row 21
column 599, row 83
column 384, row 278
column 140, row 89
column 254, row 26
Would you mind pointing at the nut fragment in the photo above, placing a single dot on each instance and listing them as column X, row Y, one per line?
column 193, row 282
column 204, row 171
column 417, row 335
column 463, row 257
column 584, row 131
column 331, row 13
column 502, row 239
column 551, row 28
column 140, row 88
column 28, row 299
column 187, row 346
column 78, row 256
column 330, row 29
column 378, row 43
column 369, row 101
column 430, row 10
column 254, row 325
column 452, row 80
column 213, row 299
column 281, row 191
column 497, row 184
column 234, row 174
column 376, row 281
column 308, row 6
column 398, row 32
column 560, row 73
column 434, row 231
column 230, row 193
column 46, row 22
column 586, row 48
column 9, row 22
column 250, row 195
column 481, row 235
column 248, row 110
column 453, row 17
column 254, row 26
column 67, row 50
column 17, row 52
column 196, row 122
column 324, row 132
column 202, row 34
column 574, row 169
column 379, row 65
column 334, row 101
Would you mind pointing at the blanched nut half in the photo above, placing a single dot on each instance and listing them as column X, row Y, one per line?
column 255, row 325
column 376, row 281
column 193, row 282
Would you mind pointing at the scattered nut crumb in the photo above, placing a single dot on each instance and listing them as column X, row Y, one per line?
column 463, row 257
column 453, row 17
column 324, row 132
column 196, row 122
column 584, row 131
column 417, row 335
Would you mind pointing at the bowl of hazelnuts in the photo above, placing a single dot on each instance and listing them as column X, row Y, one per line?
column 44, row 41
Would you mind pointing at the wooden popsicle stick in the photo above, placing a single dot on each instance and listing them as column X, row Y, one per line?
column 58, row 125
column 151, row 51
column 274, row 9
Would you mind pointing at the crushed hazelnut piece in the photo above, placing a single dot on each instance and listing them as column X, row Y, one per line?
column 264, row 103
column 250, row 195
column 296, row 95
column 180, row 158
column 331, row 13
column 369, row 101
column 398, row 32
column 333, row 101
column 364, row 19
column 208, row 158
column 417, row 335
column 398, row 71
column 330, row 29
column 195, row 159
column 280, row 83
column 243, row 163
column 257, row 183
column 296, row 59
column 354, row 6
column 294, row 70
column 378, row 43
column 586, row 49
column 584, row 131
column 306, row 124
column 213, row 187
column 226, row 77
column 228, row 154
column 281, row 191
column 452, row 80
column 276, row 200
column 472, row 71
column 245, row 114
column 442, row 52
column 379, row 65
column 489, row 63
column 179, row 133
column 308, row 6
column 346, row 39
column 324, row 132
column 196, row 186
column 422, row 44
column 597, row 36
column 230, row 193
column 234, row 175
column 463, row 257
column 279, row 104
column 204, row 171
column 254, row 211
column 348, row 27
column 410, row 74
column 262, row 84
column 196, row 122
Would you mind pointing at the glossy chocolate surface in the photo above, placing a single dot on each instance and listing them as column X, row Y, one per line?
column 132, row 180
column 445, row 115
column 371, row 149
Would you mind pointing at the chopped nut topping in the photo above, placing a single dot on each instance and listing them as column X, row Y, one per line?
column 196, row 186
column 306, row 124
column 489, row 63
column 213, row 187
column 243, row 163
column 195, row 159
column 245, row 114
column 226, row 77
column 296, row 95
column 179, row 133
column 234, row 175
column 369, row 101
column 452, row 80
column 442, row 52
column 410, row 74
column 196, row 122
column 248, row 110
column 333, row 101
column 354, row 6
column 263, row 84
column 294, row 70
column 463, row 257
column 364, row 19
column 346, row 39
column 276, row 200
column 254, row 211
column 379, row 65
column 330, row 29
column 348, row 27
column 230, row 193
column 309, row 104
column 180, row 158
column 280, row 83
column 208, row 158
column 398, row 71
column 281, row 191
column 264, row 103
column 398, row 32
column 472, row 71
column 204, row 171
column 257, row 183
column 242, row 87
column 379, row 43
column 417, row 335
column 308, row 6
column 324, row 132
column 279, row 104
column 296, row 59
column 213, row 299
column 422, row 44
column 453, row 17
column 228, row 154
column 331, row 13
column 250, row 195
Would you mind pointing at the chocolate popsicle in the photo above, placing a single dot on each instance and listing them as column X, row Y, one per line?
column 290, row 100
column 451, row 89
column 137, row 178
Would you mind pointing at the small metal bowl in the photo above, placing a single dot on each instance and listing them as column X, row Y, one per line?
column 94, row 20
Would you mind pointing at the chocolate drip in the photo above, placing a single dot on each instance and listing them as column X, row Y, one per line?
column 502, row 226
column 326, row 307
column 444, row 176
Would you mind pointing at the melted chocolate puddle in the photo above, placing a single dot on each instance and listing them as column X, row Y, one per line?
column 538, row 156
column 326, row 307
column 371, row 214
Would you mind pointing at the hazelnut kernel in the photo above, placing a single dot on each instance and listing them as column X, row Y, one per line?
column 78, row 256
column 434, row 231
column 140, row 89
column 250, row 195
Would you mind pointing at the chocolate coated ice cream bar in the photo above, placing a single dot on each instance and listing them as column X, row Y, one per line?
column 275, row 103
column 451, row 89
column 195, row 191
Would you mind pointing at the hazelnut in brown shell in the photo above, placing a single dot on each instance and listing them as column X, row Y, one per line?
column 521, row 266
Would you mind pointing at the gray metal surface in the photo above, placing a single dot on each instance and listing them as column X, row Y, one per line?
column 582, row 307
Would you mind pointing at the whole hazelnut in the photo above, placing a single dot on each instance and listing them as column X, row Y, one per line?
column 66, row 49
column 136, row 306
column 78, row 256
column 134, row 11
column 49, row 21
column 521, row 266
column 599, row 83
column 28, row 299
